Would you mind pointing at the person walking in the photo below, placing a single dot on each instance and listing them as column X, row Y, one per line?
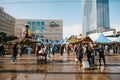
column 76, row 53
column 88, row 53
column 101, row 55
column 37, row 49
column 15, row 51
column 115, row 49
column 19, row 50
column 53, row 49
column 92, row 55
column 48, row 50
column 62, row 50
column 29, row 50
column 79, row 53
column 2, row 50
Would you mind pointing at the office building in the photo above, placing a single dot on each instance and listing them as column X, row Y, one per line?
column 44, row 29
column 7, row 23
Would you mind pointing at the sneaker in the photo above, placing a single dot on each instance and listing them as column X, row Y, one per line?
column 13, row 62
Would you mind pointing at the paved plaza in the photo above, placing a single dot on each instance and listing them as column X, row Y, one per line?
column 57, row 68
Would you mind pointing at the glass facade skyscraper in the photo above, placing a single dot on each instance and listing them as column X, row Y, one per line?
column 95, row 16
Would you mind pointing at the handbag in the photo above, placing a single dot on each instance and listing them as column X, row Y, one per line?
column 41, row 51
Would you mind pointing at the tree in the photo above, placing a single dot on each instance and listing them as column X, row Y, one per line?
column 9, row 38
column 2, row 36
column 5, row 38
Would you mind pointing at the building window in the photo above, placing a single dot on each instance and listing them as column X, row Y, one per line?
column 38, row 23
column 33, row 28
column 42, row 27
column 33, row 23
column 42, row 23
column 37, row 27
column 29, row 23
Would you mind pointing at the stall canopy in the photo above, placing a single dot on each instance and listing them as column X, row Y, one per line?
column 86, row 40
column 25, row 40
column 118, row 39
column 83, row 40
column 14, row 41
column 102, row 39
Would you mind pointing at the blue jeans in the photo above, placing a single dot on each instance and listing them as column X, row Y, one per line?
column 48, row 52
column 13, row 58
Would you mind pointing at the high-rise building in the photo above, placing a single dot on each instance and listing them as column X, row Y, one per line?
column 7, row 23
column 45, row 29
column 95, row 16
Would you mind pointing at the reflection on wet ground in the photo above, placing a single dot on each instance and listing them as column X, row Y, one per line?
column 57, row 68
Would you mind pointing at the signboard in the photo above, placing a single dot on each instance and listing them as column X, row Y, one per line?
column 53, row 24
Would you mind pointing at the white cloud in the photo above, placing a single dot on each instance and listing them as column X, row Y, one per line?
column 75, row 29
column 116, row 26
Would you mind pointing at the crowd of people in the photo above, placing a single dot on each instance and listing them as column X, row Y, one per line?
column 89, row 51
column 36, row 49
column 82, row 51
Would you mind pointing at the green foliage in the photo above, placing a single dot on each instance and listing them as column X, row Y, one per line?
column 9, row 38
column 5, row 38
column 2, row 34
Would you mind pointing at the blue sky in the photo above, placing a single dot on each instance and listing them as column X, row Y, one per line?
column 69, row 12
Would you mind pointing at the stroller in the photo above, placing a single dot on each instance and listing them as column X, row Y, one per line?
column 41, row 57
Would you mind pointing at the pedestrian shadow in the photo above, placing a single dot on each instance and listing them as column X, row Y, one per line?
column 91, row 68
column 108, row 64
column 48, row 72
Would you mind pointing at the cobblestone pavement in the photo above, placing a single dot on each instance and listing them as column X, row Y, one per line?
column 57, row 68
